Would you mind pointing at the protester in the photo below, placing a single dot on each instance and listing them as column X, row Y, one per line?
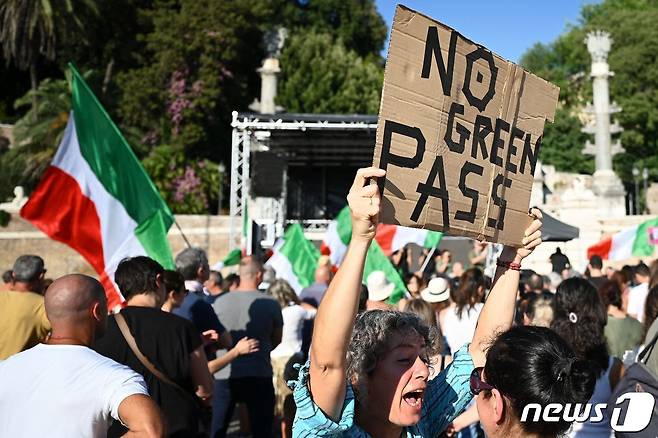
column 62, row 388
column 580, row 318
column 426, row 312
column 248, row 379
column 595, row 268
column 539, row 310
column 192, row 263
column 230, row 283
column 529, row 365
column 171, row 345
column 384, row 364
column 651, row 326
column 653, row 269
column 23, row 321
column 213, row 286
column 313, row 294
column 458, row 320
column 477, row 256
column 7, row 280
column 559, row 261
column 379, row 289
column 622, row 332
column 638, row 294
column 414, row 285
column 175, row 291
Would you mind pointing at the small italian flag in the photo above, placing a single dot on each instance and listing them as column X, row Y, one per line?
column 294, row 258
column 638, row 241
column 96, row 197
column 389, row 238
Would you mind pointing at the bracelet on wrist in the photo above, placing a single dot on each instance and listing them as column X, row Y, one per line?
column 509, row 265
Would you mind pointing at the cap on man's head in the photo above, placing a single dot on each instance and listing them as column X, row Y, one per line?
column 28, row 268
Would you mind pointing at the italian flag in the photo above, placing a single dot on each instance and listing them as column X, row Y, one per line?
column 389, row 238
column 638, row 241
column 294, row 258
column 96, row 197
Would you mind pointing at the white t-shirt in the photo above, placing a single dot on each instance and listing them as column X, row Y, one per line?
column 291, row 336
column 459, row 331
column 63, row 391
column 636, row 299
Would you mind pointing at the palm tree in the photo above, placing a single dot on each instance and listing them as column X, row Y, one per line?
column 29, row 30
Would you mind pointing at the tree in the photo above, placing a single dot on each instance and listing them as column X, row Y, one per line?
column 29, row 30
column 320, row 75
column 37, row 135
column 355, row 22
column 200, row 65
column 566, row 62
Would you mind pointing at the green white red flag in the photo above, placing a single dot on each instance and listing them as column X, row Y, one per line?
column 97, row 198
column 294, row 258
column 637, row 241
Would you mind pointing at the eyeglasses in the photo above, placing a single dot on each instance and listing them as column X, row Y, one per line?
column 477, row 384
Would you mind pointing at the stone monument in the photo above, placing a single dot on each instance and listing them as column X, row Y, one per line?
column 606, row 185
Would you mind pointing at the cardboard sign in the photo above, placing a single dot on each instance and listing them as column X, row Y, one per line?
column 459, row 133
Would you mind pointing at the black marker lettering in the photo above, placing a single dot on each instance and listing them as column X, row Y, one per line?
column 427, row 189
column 433, row 49
column 468, row 216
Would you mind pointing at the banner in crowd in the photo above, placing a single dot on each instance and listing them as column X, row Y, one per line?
column 631, row 242
column 459, row 133
column 97, row 198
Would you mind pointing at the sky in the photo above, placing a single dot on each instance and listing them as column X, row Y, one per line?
column 506, row 27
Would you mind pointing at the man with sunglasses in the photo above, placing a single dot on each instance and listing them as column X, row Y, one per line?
column 23, row 321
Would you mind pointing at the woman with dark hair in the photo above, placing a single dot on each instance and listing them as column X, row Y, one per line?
column 175, row 292
column 459, row 319
column 651, row 325
column 622, row 332
column 370, row 377
column 529, row 365
column 580, row 318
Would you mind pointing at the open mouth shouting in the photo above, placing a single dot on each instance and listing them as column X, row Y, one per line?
column 414, row 398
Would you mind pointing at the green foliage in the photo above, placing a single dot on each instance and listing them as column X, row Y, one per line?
column 188, row 186
column 36, row 135
column 355, row 22
column 631, row 24
column 319, row 75
column 200, row 64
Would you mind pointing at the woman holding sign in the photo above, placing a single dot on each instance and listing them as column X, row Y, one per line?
column 370, row 377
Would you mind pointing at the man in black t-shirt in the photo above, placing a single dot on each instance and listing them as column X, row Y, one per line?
column 171, row 343
column 559, row 261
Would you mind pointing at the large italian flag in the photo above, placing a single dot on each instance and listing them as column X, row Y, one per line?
column 96, row 197
column 637, row 241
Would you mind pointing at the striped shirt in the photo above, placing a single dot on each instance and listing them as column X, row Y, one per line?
column 446, row 397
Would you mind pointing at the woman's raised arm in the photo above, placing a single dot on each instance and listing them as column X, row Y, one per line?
column 335, row 318
column 498, row 311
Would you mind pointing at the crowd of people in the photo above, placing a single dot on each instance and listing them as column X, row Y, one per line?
column 193, row 352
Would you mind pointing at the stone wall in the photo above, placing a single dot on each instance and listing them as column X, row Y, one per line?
column 20, row 237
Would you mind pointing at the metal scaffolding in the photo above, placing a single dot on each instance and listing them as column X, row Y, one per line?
column 277, row 132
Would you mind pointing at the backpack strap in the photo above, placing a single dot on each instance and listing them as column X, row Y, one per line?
column 130, row 339
column 648, row 349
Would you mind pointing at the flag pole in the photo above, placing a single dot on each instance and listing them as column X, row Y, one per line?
column 187, row 242
column 427, row 259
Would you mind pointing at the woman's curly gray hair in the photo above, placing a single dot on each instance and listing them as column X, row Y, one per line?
column 371, row 339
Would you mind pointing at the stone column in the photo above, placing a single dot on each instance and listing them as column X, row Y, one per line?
column 268, row 76
column 606, row 183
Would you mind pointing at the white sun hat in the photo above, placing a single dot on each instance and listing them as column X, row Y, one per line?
column 379, row 288
column 436, row 291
